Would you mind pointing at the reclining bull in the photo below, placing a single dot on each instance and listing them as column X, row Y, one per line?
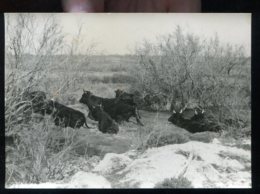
column 115, row 108
column 65, row 116
column 105, row 123
column 193, row 120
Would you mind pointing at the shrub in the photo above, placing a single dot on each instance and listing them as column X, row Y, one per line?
column 205, row 137
column 187, row 69
column 27, row 160
column 238, row 133
column 40, row 153
column 33, row 150
column 180, row 182
column 158, row 138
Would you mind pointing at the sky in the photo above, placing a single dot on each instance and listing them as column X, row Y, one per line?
column 119, row 33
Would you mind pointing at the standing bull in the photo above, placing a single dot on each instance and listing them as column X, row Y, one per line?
column 125, row 97
column 116, row 109
column 134, row 99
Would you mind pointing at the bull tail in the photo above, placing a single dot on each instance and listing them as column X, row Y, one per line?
column 85, row 122
column 86, row 125
column 138, row 117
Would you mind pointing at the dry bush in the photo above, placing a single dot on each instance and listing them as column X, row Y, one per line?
column 158, row 133
column 39, row 153
column 27, row 72
column 180, row 182
column 162, row 137
column 31, row 58
column 188, row 69
column 27, row 160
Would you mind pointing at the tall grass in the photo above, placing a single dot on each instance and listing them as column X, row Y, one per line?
column 40, row 153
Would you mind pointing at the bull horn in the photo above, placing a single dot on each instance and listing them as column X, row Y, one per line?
column 202, row 111
column 173, row 111
column 196, row 112
column 183, row 108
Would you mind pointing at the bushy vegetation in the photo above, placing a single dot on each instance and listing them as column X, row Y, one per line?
column 157, row 137
column 191, row 70
column 180, row 182
column 181, row 66
column 33, row 152
column 36, row 149
column 40, row 153
column 162, row 137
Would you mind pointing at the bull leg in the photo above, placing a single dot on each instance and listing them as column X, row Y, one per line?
column 137, row 116
column 139, row 121
column 56, row 121
column 137, row 113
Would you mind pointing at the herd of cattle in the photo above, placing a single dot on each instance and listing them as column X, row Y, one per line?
column 110, row 112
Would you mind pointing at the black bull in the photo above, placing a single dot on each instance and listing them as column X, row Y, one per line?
column 125, row 97
column 114, row 107
column 65, row 116
column 105, row 123
column 193, row 120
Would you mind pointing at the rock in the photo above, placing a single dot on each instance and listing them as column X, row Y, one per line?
column 216, row 141
column 203, row 164
column 36, row 186
column 93, row 161
column 111, row 163
column 88, row 180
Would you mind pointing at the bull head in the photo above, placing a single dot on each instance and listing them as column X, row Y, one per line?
column 119, row 92
column 86, row 92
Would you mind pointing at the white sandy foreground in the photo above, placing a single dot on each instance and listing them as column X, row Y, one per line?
column 205, row 165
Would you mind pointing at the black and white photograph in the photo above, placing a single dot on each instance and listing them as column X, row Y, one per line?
column 121, row 100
